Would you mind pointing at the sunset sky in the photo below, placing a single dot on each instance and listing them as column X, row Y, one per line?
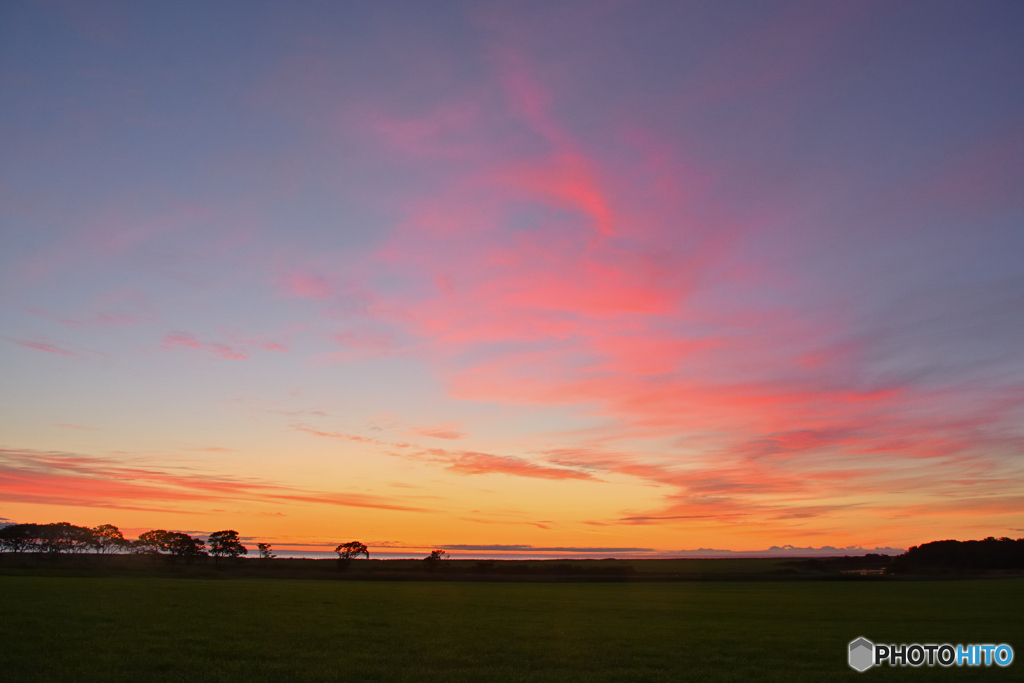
column 607, row 277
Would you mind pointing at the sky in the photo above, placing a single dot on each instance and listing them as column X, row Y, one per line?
column 547, row 277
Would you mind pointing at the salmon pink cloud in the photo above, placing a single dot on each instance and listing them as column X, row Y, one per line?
column 445, row 431
column 42, row 346
column 303, row 286
column 469, row 462
column 182, row 339
column 459, row 461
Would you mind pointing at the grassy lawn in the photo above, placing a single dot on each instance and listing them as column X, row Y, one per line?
column 156, row 629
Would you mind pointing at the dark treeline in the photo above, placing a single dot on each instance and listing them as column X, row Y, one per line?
column 988, row 554
column 62, row 537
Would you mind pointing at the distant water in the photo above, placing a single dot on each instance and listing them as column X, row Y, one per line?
column 780, row 552
column 328, row 554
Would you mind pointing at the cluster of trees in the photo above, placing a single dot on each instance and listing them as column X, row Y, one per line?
column 62, row 537
column 219, row 544
column 989, row 553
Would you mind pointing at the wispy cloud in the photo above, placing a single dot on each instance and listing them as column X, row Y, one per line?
column 185, row 340
column 42, row 346
column 469, row 462
column 59, row 478
column 305, row 286
column 445, row 431
column 462, row 461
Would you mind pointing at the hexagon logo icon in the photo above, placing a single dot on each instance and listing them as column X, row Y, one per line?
column 862, row 654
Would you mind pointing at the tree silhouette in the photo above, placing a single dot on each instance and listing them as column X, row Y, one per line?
column 19, row 538
column 183, row 545
column 226, row 544
column 153, row 542
column 266, row 552
column 63, row 537
column 60, row 537
column 107, row 538
column 350, row 551
column 174, row 543
column 434, row 559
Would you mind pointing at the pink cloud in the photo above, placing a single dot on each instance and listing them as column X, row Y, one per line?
column 121, row 306
column 345, row 436
column 468, row 462
column 437, row 134
column 462, row 462
column 446, row 431
column 363, row 339
column 67, row 322
column 182, row 339
column 305, row 286
column 42, row 346
column 568, row 180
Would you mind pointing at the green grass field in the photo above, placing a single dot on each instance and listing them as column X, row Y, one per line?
column 159, row 629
